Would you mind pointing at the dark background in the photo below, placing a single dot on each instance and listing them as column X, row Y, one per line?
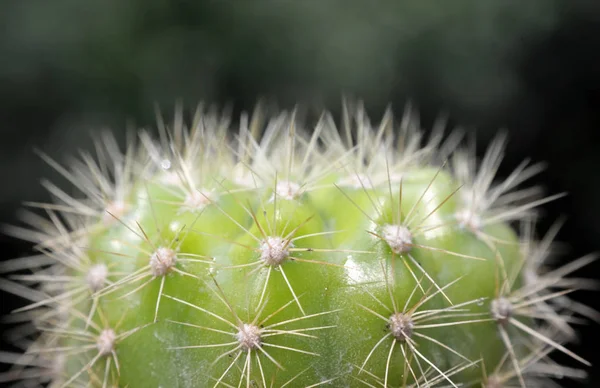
column 69, row 68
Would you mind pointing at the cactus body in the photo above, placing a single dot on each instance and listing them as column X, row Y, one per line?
column 288, row 258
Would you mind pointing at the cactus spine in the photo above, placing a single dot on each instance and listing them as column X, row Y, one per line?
column 282, row 257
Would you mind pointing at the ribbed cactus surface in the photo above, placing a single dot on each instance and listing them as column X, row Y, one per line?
column 282, row 256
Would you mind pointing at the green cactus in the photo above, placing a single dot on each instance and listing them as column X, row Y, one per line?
column 283, row 257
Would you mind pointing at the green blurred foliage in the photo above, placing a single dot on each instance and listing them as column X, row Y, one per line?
column 69, row 66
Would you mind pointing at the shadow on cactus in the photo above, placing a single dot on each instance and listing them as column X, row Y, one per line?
column 278, row 256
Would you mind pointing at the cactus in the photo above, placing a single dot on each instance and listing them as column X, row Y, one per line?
column 277, row 256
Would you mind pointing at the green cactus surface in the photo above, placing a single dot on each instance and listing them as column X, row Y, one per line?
column 282, row 256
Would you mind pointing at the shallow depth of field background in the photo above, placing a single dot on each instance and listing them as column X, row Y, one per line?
column 70, row 68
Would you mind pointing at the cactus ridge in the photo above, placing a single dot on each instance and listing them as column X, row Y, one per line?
column 279, row 256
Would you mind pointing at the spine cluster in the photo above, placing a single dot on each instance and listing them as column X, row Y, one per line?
column 279, row 256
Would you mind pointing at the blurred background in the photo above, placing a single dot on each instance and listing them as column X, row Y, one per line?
column 70, row 68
